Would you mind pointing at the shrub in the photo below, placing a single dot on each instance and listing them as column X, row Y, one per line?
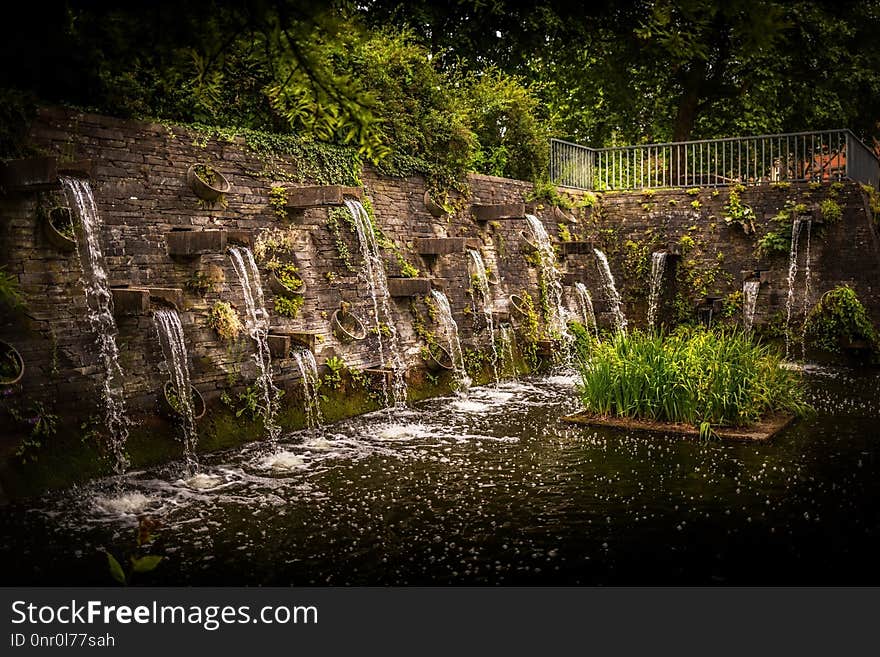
column 691, row 376
column 840, row 318
column 288, row 306
column 225, row 321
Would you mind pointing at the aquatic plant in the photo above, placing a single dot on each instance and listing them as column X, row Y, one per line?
column 693, row 376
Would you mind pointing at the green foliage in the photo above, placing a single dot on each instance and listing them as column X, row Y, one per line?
column 737, row 212
column 336, row 367
column 840, row 319
column 138, row 563
column 546, row 190
column 16, row 111
column 830, row 210
column 278, row 201
column 11, row 297
column 225, row 321
column 772, row 242
column 564, row 234
column 690, row 376
column 333, row 225
column 41, row 424
column 287, row 306
column 873, row 201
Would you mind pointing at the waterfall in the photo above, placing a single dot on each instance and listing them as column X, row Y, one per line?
column 171, row 338
column 750, row 302
column 807, row 282
column 610, row 290
column 100, row 313
column 505, row 338
column 550, row 276
column 308, row 368
column 482, row 283
column 796, row 227
column 374, row 274
column 257, row 323
column 658, row 268
column 450, row 330
column 585, row 303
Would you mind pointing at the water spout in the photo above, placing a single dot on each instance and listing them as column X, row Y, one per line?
column 658, row 269
column 551, row 278
column 308, row 368
column 585, row 303
column 750, row 302
column 610, row 290
column 450, row 331
column 100, row 313
column 797, row 225
column 257, row 323
column 373, row 273
column 173, row 343
column 481, row 281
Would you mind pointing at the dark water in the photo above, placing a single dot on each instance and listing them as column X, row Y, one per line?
column 492, row 490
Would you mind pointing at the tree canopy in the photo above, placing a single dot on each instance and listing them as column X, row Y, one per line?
column 444, row 88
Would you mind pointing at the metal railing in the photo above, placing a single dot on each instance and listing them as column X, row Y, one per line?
column 802, row 156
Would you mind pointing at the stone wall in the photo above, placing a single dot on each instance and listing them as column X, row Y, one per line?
column 142, row 195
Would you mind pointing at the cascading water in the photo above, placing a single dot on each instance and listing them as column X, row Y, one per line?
column 173, row 343
column 750, row 302
column 482, row 283
column 807, row 291
column 257, row 323
column 308, row 369
column 551, row 277
column 100, row 313
column 610, row 290
column 505, row 339
column 585, row 303
column 658, row 269
column 797, row 225
column 450, row 330
column 374, row 273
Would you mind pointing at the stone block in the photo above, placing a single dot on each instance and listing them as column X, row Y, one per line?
column 498, row 211
column 576, row 248
column 195, row 242
column 130, row 301
column 439, row 245
column 408, row 287
column 300, row 198
column 279, row 345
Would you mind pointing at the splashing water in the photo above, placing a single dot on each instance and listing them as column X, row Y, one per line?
column 796, row 226
column 750, row 302
column 658, row 268
column 585, row 304
column 450, row 330
column 610, row 290
column 257, row 323
column 481, row 281
column 308, row 368
column 171, row 338
column 100, row 313
column 374, row 273
column 551, row 277
column 807, row 291
column 505, row 339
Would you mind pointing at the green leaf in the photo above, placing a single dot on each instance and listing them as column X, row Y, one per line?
column 146, row 563
column 116, row 570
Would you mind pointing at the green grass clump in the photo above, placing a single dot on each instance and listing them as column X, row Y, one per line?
column 692, row 376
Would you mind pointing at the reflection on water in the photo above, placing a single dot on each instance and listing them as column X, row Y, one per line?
column 490, row 490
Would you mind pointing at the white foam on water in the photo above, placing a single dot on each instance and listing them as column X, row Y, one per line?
column 125, row 504
column 569, row 380
column 203, row 481
column 401, row 431
column 283, row 462
column 470, row 406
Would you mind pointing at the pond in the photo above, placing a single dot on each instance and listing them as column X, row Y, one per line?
column 491, row 489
